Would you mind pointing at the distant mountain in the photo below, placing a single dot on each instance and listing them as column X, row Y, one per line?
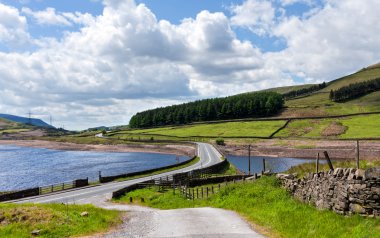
column 25, row 120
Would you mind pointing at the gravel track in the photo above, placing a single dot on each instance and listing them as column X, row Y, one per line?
column 190, row 222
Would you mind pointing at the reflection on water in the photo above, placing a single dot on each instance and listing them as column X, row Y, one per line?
column 273, row 163
column 24, row 167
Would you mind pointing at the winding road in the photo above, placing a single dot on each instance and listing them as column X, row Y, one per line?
column 207, row 153
column 203, row 222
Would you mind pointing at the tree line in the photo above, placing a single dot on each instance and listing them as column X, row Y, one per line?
column 303, row 91
column 259, row 104
column 355, row 90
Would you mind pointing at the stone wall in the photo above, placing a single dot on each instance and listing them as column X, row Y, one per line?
column 345, row 191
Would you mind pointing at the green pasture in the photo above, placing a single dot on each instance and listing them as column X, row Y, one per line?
column 366, row 126
column 225, row 130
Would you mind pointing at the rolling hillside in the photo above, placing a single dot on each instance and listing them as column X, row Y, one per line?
column 25, row 120
column 319, row 104
column 316, row 104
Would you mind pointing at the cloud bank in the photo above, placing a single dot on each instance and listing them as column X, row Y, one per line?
column 126, row 60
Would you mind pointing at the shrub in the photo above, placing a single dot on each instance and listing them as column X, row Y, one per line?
column 219, row 141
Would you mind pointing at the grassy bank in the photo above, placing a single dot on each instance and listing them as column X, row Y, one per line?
column 267, row 205
column 304, row 169
column 54, row 220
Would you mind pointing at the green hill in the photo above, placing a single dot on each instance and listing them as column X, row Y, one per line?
column 7, row 126
column 319, row 104
column 315, row 104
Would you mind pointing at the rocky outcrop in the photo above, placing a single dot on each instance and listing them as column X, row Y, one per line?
column 345, row 191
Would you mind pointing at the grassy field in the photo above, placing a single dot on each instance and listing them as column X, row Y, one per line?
column 54, row 220
column 351, row 127
column 225, row 130
column 267, row 205
column 304, row 169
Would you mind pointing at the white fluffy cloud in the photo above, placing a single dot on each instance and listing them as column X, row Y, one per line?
column 49, row 16
column 341, row 37
column 256, row 15
column 125, row 60
column 13, row 27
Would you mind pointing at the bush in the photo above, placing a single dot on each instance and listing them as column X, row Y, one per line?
column 219, row 141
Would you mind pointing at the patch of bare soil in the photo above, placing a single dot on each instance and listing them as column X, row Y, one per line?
column 176, row 149
column 3, row 124
column 301, row 132
column 334, row 129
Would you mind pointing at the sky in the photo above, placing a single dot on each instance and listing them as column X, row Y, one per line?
column 98, row 62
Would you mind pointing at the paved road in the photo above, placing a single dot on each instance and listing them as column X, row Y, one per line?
column 207, row 153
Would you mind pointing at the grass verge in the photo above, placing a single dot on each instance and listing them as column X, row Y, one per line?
column 267, row 205
column 54, row 220
column 191, row 162
column 304, row 169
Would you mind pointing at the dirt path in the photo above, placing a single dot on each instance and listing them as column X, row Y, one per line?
column 190, row 222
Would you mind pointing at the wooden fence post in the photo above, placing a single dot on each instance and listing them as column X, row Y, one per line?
column 249, row 159
column 328, row 160
column 317, row 163
column 357, row 154
column 263, row 166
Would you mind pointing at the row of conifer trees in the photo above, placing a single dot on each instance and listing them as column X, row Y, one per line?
column 259, row 104
column 355, row 90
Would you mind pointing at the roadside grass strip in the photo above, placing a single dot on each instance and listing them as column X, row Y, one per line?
column 55, row 220
column 269, row 207
column 191, row 162
column 303, row 169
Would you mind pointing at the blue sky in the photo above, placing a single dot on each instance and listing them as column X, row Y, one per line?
column 98, row 62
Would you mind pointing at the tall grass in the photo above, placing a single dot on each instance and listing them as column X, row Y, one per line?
column 54, row 220
column 304, row 169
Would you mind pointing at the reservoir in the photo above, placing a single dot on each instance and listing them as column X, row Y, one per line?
column 275, row 164
column 25, row 167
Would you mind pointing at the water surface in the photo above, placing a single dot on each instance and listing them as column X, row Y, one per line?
column 25, row 167
column 275, row 164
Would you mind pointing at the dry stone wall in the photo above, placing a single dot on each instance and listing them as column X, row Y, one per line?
column 345, row 191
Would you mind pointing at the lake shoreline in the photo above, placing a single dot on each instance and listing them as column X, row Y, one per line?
column 187, row 150
column 306, row 149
